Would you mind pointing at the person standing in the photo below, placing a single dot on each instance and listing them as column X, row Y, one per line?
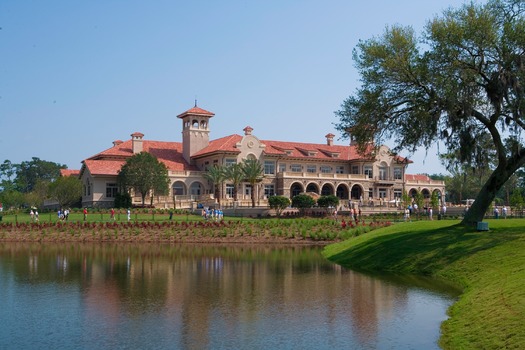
column 112, row 214
column 32, row 215
column 129, row 214
column 430, row 213
column 85, row 214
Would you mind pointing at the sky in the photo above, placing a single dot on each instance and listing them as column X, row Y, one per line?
column 77, row 75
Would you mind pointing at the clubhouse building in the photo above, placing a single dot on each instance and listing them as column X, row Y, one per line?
column 290, row 168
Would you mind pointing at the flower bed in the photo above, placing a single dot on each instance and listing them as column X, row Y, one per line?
column 304, row 231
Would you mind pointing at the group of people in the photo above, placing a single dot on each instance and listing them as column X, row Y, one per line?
column 34, row 215
column 354, row 213
column 212, row 214
column 63, row 215
column 503, row 212
column 428, row 211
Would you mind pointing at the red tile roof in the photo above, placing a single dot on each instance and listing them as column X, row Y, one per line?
column 196, row 110
column 68, row 172
column 417, row 177
column 295, row 149
column 103, row 167
column 110, row 161
column 224, row 144
column 318, row 151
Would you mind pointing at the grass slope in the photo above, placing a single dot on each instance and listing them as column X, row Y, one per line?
column 489, row 266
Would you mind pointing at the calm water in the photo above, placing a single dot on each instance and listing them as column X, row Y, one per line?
column 73, row 296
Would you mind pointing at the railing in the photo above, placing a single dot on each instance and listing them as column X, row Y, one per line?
column 426, row 182
column 307, row 175
column 185, row 173
column 386, row 179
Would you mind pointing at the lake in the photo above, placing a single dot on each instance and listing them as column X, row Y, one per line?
column 130, row 296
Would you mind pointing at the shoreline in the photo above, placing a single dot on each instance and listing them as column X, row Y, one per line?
column 22, row 238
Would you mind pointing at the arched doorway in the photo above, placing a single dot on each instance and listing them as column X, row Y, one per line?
column 327, row 190
column 357, row 192
column 312, row 187
column 178, row 188
column 412, row 193
column 439, row 196
column 342, row 192
column 196, row 189
column 296, row 189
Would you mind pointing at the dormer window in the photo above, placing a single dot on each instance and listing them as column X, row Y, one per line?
column 312, row 153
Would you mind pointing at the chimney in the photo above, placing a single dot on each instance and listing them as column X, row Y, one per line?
column 248, row 130
column 330, row 139
column 117, row 142
column 136, row 141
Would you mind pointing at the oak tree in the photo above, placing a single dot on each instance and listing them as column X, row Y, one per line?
column 144, row 173
column 461, row 82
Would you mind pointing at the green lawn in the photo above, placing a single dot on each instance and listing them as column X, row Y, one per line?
column 489, row 266
column 100, row 217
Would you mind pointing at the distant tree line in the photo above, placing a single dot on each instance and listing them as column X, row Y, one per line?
column 29, row 183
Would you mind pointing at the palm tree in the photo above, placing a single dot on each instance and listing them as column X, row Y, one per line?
column 235, row 174
column 253, row 173
column 216, row 176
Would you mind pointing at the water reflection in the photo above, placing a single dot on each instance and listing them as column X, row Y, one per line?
column 198, row 297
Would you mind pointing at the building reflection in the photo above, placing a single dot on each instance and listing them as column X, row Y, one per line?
column 196, row 291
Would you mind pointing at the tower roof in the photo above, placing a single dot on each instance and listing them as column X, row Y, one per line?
column 196, row 111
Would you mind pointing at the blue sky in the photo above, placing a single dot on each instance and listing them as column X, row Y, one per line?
column 77, row 75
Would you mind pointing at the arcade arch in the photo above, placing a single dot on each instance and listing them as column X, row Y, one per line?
column 356, row 192
column 296, row 189
column 312, row 187
column 178, row 188
column 327, row 190
column 196, row 188
column 439, row 195
column 342, row 192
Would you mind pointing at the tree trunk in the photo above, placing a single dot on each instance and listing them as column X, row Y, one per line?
column 218, row 195
column 253, row 195
column 489, row 190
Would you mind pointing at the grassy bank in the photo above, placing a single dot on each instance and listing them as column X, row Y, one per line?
column 489, row 266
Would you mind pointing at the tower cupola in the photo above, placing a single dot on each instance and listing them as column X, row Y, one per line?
column 195, row 131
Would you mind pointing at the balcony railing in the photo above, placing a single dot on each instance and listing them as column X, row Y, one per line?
column 307, row 175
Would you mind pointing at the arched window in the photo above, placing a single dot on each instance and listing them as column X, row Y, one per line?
column 342, row 192
column 296, row 189
column 179, row 189
column 327, row 190
column 196, row 189
column 312, row 188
